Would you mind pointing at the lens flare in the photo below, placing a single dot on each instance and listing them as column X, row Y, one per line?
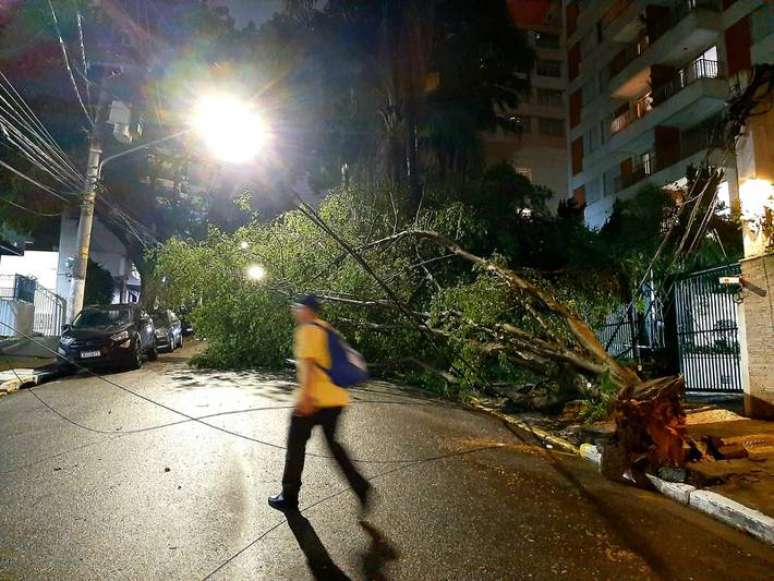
column 256, row 272
column 233, row 131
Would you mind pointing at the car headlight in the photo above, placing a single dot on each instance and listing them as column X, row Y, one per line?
column 66, row 340
column 118, row 337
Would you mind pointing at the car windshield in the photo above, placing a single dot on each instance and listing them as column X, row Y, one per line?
column 102, row 318
column 160, row 319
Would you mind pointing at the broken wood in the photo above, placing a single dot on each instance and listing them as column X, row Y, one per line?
column 650, row 429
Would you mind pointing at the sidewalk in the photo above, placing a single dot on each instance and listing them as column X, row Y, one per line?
column 738, row 489
column 16, row 372
column 747, row 476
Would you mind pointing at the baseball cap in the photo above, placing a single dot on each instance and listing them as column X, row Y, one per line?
column 308, row 300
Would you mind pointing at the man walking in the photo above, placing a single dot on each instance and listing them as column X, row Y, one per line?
column 319, row 402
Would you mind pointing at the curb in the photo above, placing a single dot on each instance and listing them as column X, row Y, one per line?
column 710, row 503
column 541, row 434
column 716, row 505
column 22, row 381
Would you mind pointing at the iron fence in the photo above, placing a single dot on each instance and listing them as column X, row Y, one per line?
column 49, row 308
column 707, row 331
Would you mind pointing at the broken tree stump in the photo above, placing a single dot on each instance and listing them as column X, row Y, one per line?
column 650, row 430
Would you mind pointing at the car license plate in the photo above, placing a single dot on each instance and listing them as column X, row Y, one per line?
column 90, row 354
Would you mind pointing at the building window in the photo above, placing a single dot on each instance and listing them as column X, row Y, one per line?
column 547, row 68
column 553, row 127
column 648, row 161
column 549, row 97
column 546, row 40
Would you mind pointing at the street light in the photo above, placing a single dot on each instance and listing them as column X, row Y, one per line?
column 232, row 129
column 256, row 272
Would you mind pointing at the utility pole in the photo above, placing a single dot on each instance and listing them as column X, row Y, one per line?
column 86, row 220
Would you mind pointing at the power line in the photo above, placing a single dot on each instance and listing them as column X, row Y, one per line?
column 66, row 58
column 36, row 156
column 33, row 181
column 29, row 114
column 30, row 210
column 16, row 105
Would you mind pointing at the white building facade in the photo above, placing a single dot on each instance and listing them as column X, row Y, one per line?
column 646, row 82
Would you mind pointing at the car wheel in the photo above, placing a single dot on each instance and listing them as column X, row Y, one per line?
column 136, row 361
column 153, row 353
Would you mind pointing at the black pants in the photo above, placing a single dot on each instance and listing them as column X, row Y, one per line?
column 300, row 430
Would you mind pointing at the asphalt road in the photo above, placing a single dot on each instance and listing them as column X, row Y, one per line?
column 117, row 487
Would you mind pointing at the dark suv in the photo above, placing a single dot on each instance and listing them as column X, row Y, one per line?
column 109, row 336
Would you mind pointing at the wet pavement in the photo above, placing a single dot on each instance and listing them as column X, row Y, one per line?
column 100, row 483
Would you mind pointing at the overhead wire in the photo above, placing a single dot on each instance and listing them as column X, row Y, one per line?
column 37, row 157
column 16, row 105
column 84, row 65
column 182, row 414
column 66, row 58
column 30, row 210
column 30, row 115
column 33, row 181
column 39, row 143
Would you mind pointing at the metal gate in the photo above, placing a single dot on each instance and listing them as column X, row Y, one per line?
column 49, row 309
column 707, row 331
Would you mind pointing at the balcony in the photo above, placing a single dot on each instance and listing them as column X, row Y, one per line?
column 648, row 166
column 695, row 71
column 621, row 23
column 698, row 69
column 691, row 26
column 637, row 111
column 628, row 54
column 650, row 163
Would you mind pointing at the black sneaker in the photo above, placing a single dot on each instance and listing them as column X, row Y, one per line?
column 279, row 502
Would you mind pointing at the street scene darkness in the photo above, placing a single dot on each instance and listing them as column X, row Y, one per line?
column 386, row 289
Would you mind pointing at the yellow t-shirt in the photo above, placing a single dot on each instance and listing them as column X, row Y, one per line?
column 311, row 342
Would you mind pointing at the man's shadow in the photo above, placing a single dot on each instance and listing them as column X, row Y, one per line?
column 373, row 560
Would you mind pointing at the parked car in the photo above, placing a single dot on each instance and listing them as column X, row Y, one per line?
column 109, row 336
column 185, row 320
column 169, row 330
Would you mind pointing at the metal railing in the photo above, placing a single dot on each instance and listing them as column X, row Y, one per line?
column 628, row 54
column 49, row 308
column 629, row 332
column 707, row 331
column 683, row 8
column 638, row 173
column 698, row 69
column 637, row 110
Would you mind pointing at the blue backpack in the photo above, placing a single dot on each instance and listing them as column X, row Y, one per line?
column 348, row 367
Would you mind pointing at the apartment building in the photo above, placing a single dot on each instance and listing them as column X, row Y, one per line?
column 646, row 82
column 538, row 148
